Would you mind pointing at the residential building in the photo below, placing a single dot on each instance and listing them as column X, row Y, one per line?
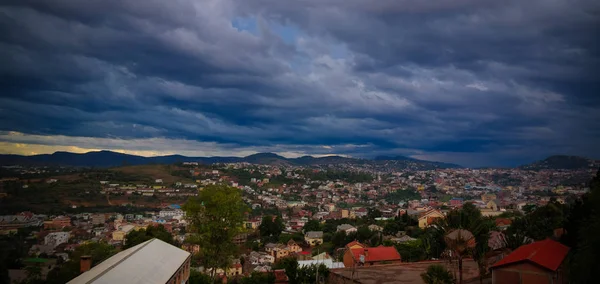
column 119, row 235
column 56, row 238
column 428, row 217
column 366, row 256
column 151, row 262
column 354, row 245
column 347, row 228
column 293, row 247
column 375, row 228
column 538, row 262
column 171, row 213
column 493, row 205
column 456, row 202
column 313, row 238
column 98, row 219
column 58, row 223
column 488, row 197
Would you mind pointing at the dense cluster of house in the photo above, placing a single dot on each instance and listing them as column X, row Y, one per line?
column 432, row 195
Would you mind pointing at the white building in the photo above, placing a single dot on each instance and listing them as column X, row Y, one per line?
column 56, row 238
column 151, row 262
column 171, row 213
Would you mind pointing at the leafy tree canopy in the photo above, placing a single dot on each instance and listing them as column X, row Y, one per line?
column 137, row 237
column 216, row 216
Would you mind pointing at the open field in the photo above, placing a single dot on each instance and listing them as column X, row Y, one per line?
column 168, row 173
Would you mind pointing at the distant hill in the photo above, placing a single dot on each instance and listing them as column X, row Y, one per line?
column 105, row 159
column 408, row 162
column 562, row 162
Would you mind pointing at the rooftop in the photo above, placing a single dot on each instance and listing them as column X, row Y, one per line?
column 379, row 253
column 547, row 253
column 153, row 261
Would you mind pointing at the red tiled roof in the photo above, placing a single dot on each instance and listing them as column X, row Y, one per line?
column 280, row 276
column 379, row 253
column 503, row 222
column 354, row 243
column 547, row 253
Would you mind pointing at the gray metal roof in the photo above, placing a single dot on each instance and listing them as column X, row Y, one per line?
column 314, row 234
column 153, row 261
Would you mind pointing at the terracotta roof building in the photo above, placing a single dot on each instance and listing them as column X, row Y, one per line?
column 364, row 256
column 538, row 262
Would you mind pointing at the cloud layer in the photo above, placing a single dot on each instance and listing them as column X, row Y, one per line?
column 472, row 82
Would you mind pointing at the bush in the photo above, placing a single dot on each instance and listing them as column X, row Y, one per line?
column 437, row 274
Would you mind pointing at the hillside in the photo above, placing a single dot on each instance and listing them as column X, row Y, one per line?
column 562, row 162
column 105, row 159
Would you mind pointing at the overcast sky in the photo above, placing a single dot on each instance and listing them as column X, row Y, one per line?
column 474, row 82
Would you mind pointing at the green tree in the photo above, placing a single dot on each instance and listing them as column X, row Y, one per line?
column 437, row 274
column 216, row 216
column 312, row 274
column 363, row 234
column 270, row 229
column 373, row 213
column 339, row 239
column 411, row 251
column 198, row 278
column 540, row 223
column 392, row 227
column 305, row 275
column 34, row 274
column 69, row 270
column 470, row 234
column 258, row 278
column 584, row 262
column 459, row 242
column 137, row 237
column 312, row 225
column 266, row 226
column 290, row 265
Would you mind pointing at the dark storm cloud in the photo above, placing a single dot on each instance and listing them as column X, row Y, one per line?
column 496, row 82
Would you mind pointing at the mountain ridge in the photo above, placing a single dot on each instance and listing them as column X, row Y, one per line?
column 105, row 158
column 568, row 162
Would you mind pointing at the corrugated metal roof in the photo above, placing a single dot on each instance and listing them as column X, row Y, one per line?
column 153, row 261
column 547, row 253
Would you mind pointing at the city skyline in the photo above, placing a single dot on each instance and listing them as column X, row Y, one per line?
column 476, row 83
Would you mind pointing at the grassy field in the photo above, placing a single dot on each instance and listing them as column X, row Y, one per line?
column 168, row 173
column 83, row 189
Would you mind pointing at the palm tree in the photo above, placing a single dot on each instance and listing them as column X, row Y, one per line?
column 482, row 229
column 459, row 242
column 437, row 274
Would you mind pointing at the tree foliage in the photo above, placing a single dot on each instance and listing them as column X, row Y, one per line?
column 312, row 225
column 216, row 216
column 137, row 237
column 437, row 274
column 412, row 251
column 402, row 195
column 302, row 275
column 258, row 278
column 468, row 218
column 584, row 262
column 540, row 223
column 199, row 278
column 69, row 270
column 270, row 228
